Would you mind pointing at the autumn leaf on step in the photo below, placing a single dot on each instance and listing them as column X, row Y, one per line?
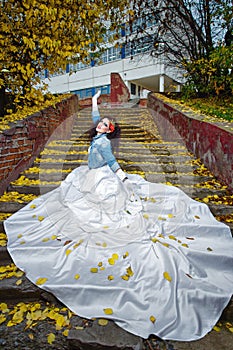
column 2, row 319
column 18, row 282
column 167, row 276
column 216, row 329
column 152, row 319
column 108, row 311
column 66, row 332
column 41, row 281
column 51, row 338
column 102, row 322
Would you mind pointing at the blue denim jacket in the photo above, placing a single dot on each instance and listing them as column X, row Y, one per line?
column 100, row 153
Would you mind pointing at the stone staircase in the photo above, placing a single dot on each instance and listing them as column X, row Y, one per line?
column 141, row 150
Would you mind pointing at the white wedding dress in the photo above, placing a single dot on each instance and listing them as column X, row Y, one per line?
column 155, row 263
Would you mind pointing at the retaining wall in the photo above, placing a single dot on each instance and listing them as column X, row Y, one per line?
column 211, row 143
column 22, row 143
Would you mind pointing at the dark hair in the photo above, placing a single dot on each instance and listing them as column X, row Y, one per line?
column 112, row 135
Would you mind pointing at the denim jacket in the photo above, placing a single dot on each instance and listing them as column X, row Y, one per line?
column 100, row 153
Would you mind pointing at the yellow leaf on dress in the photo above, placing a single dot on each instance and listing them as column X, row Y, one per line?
column 111, row 261
column 197, row 217
column 22, row 242
column 104, row 245
column 108, row 311
column 129, row 271
column 41, row 281
column 102, row 322
column 40, row 218
column 161, row 218
column 53, row 237
column 209, row 249
column 32, row 206
column 172, row 237
column 146, row 216
column 20, row 235
column 77, row 276
column 68, row 251
column 110, row 277
column 185, row 245
column 94, row 269
column 100, row 264
column 46, row 239
column 105, row 227
column 125, row 255
column 115, row 256
column 170, row 216
column 102, row 268
column 51, row 338
column 125, row 277
column 167, row 276
column 152, row 319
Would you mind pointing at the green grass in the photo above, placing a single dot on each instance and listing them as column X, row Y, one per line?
column 221, row 108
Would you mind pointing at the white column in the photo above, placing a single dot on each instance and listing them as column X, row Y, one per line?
column 161, row 83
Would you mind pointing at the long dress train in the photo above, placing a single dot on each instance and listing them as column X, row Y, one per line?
column 156, row 262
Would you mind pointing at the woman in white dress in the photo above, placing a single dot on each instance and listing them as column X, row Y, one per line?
column 112, row 245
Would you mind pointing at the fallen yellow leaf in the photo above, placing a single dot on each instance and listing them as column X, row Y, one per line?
column 41, row 281
column 152, row 319
column 108, row 311
column 167, row 276
column 111, row 261
column 18, row 282
column 51, row 338
column 94, row 269
column 102, row 322
column 40, row 218
column 68, row 251
column 77, row 276
column 110, row 277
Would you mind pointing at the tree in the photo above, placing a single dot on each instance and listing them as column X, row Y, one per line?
column 36, row 35
column 187, row 31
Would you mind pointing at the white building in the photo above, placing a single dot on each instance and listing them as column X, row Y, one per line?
column 139, row 70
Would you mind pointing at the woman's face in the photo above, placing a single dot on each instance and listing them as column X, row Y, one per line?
column 103, row 126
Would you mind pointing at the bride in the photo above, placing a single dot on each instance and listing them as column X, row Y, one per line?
column 111, row 245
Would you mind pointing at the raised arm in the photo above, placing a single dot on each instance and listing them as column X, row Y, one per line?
column 95, row 110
